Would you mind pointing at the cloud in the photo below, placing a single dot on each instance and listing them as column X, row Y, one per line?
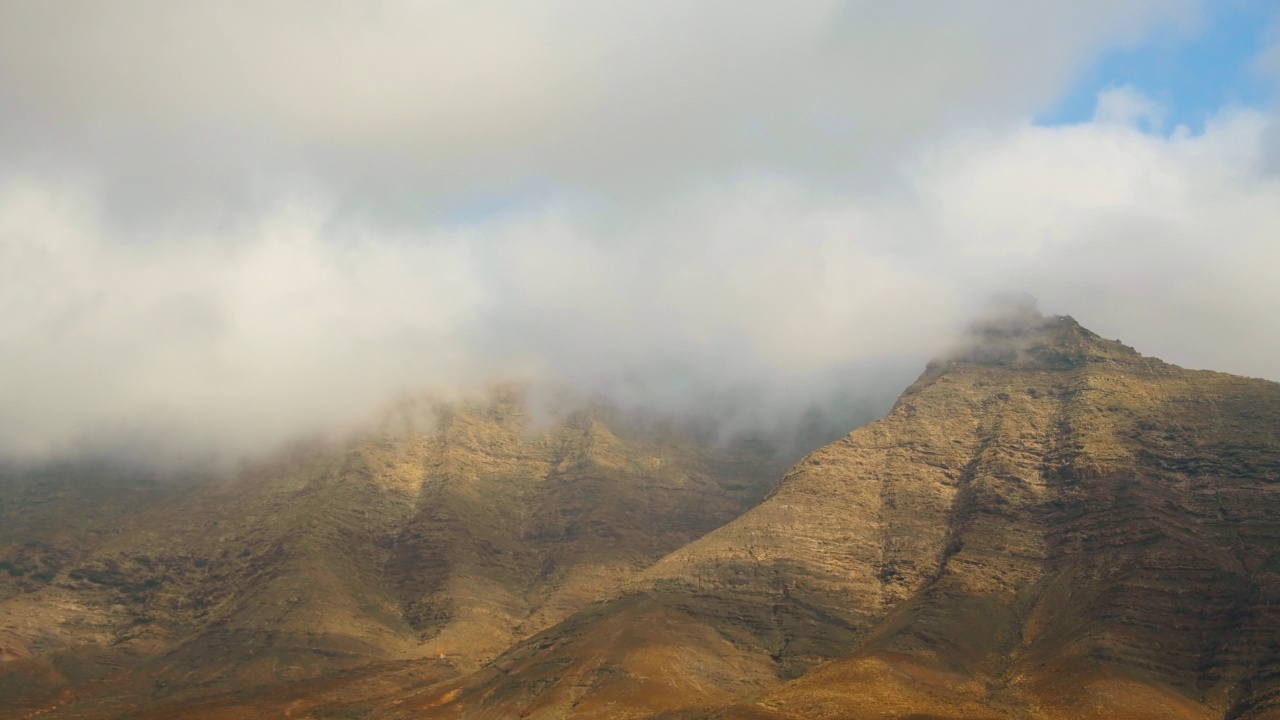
column 394, row 105
column 772, row 214
column 1126, row 106
column 280, row 326
column 1160, row 239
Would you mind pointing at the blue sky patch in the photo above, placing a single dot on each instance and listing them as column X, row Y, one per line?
column 1192, row 75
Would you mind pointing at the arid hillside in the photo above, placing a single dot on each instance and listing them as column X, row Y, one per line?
column 1047, row 525
column 445, row 536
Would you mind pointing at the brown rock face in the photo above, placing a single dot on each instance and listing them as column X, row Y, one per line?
column 1046, row 525
column 122, row 595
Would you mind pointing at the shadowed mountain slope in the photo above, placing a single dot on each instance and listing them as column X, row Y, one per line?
column 1046, row 525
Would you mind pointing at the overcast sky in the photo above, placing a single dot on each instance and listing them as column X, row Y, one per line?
column 225, row 224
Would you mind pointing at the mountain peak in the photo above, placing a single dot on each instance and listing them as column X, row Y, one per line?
column 1017, row 334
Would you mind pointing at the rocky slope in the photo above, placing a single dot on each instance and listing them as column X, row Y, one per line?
column 445, row 536
column 1046, row 525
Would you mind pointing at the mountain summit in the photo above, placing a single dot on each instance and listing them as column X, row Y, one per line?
column 1046, row 525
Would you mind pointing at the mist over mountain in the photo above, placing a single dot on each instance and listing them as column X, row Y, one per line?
column 1046, row 524
column 222, row 228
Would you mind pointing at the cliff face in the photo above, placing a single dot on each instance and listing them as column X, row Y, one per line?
column 1046, row 525
column 444, row 541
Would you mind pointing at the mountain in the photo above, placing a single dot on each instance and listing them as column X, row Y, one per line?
column 418, row 551
column 1046, row 525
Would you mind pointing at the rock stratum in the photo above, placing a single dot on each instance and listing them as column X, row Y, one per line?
column 1047, row 525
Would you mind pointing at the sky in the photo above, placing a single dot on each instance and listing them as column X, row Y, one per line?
column 224, row 225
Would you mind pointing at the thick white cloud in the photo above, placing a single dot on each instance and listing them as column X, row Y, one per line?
column 748, row 207
column 298, row 320
column 1167, row 241
column 282, row 326
column 476, row 94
